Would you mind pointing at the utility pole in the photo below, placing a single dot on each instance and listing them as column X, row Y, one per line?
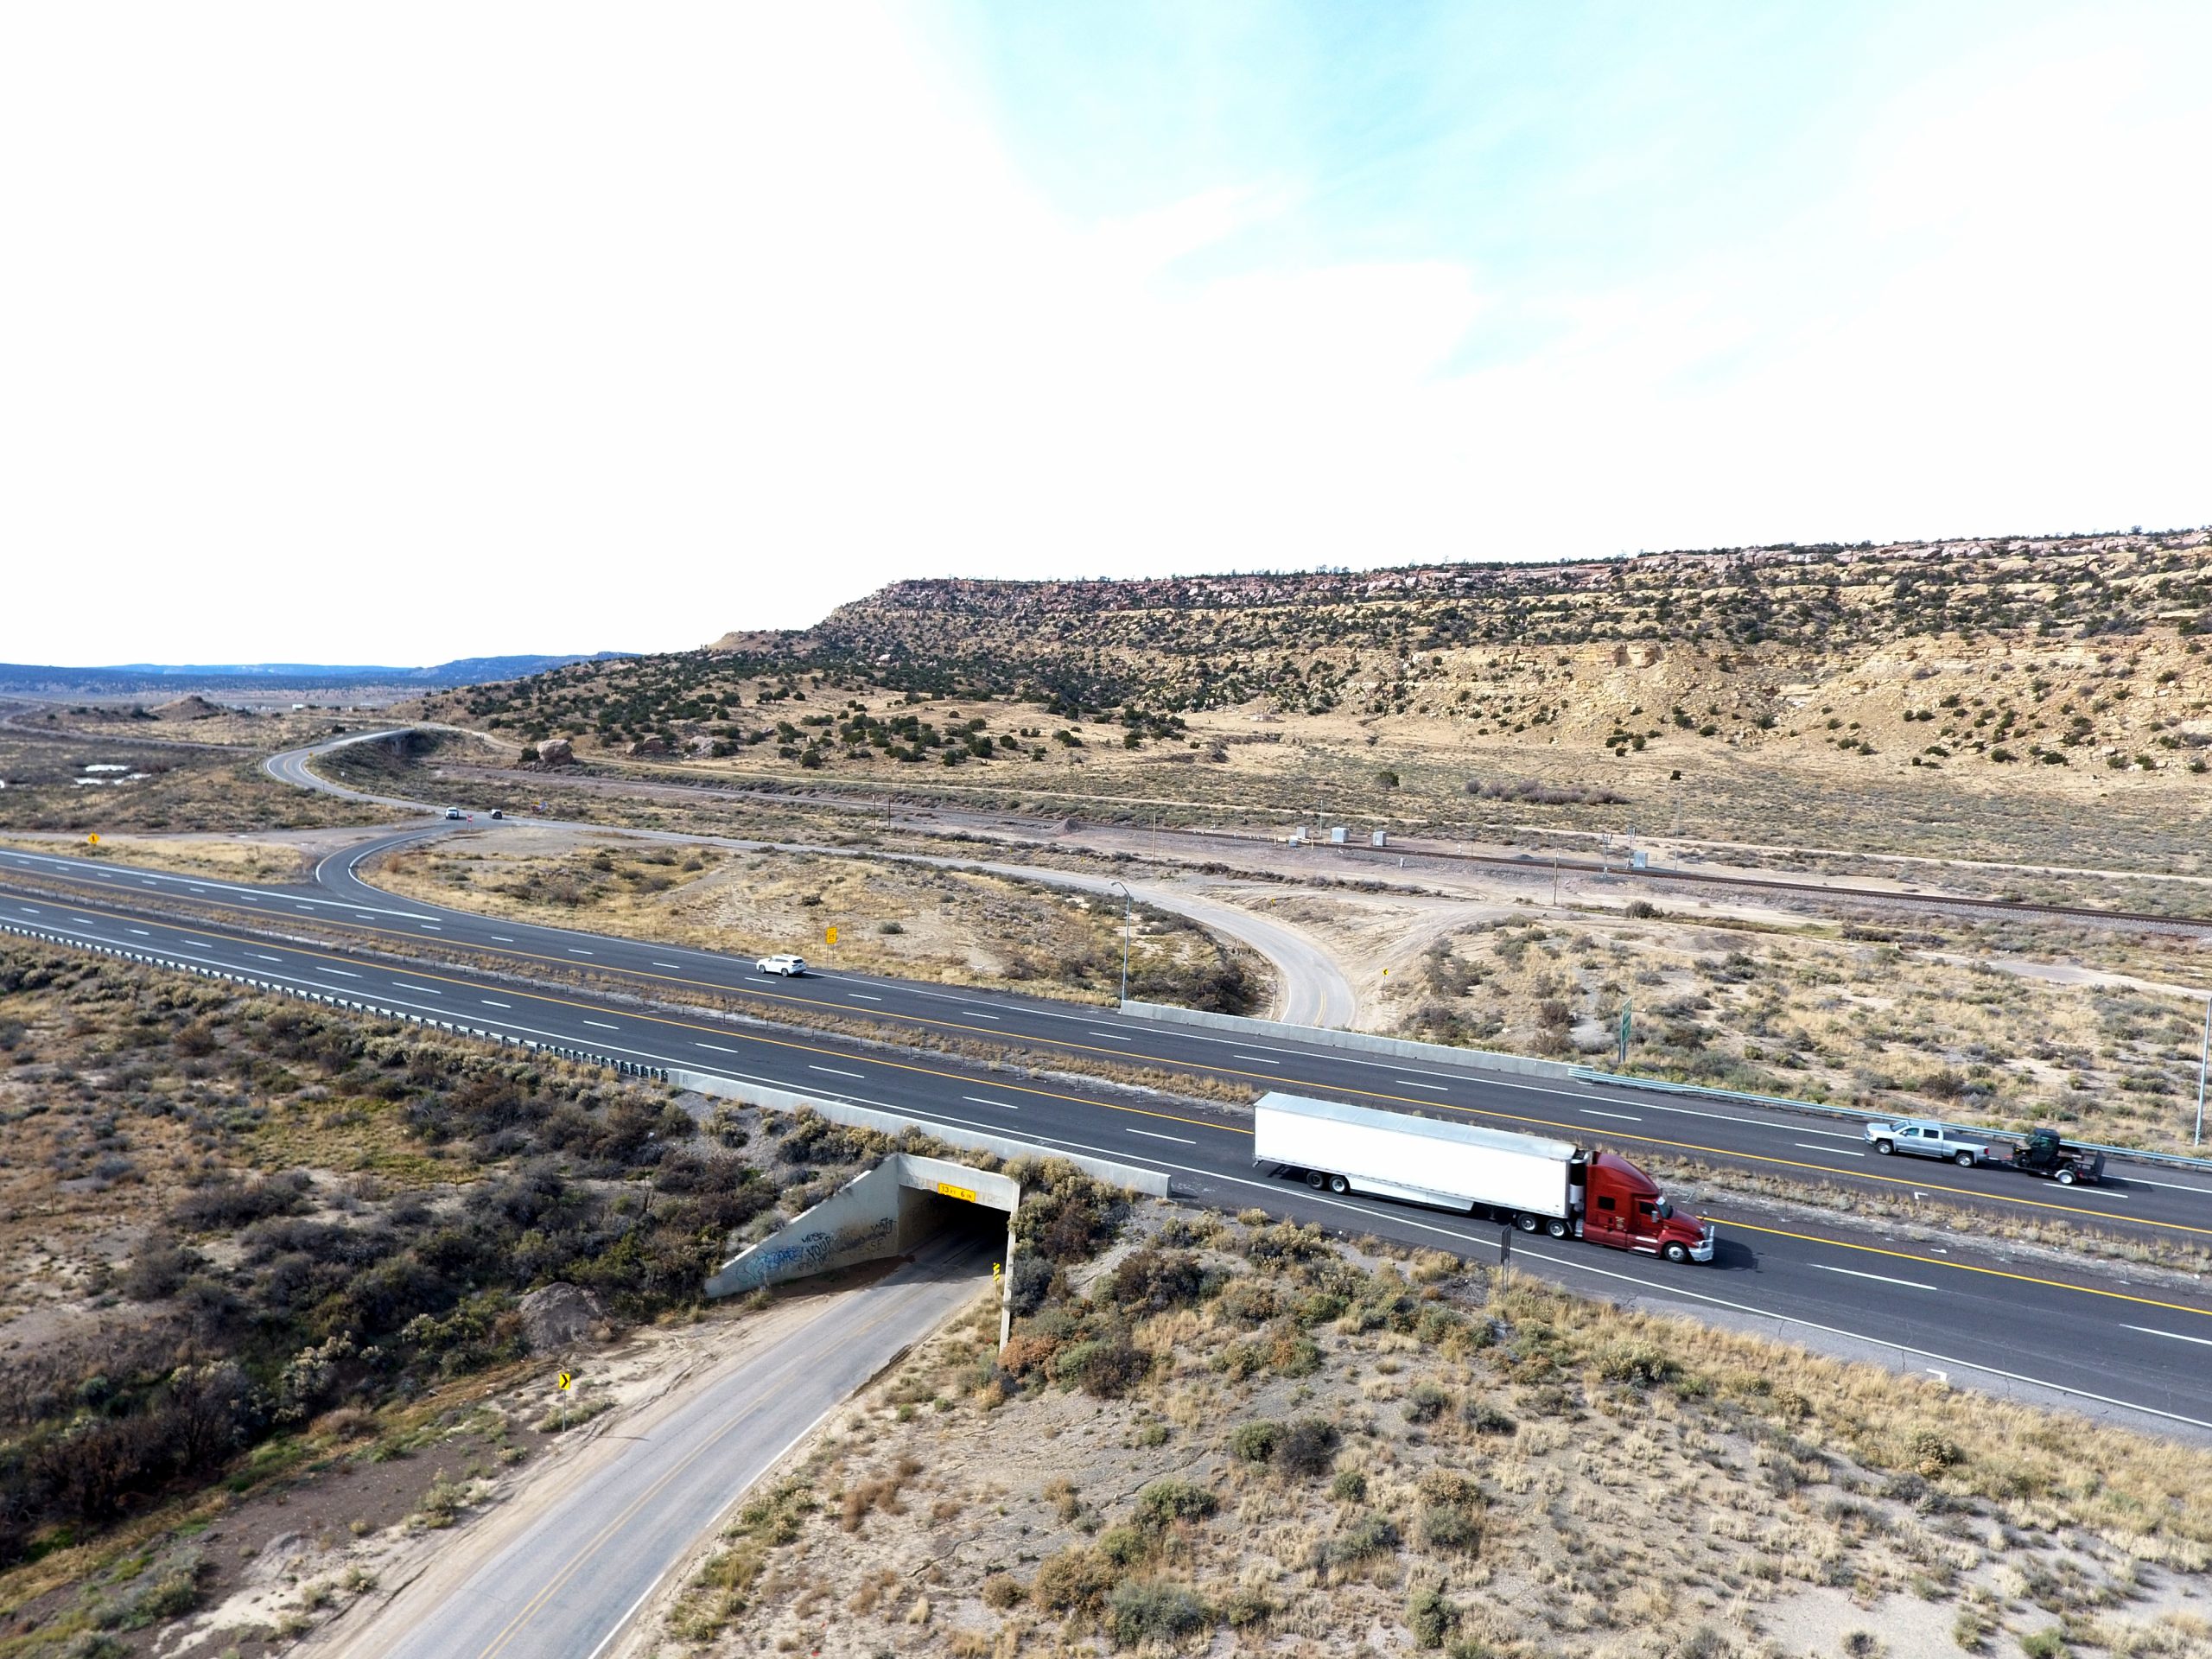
column 1555, row 880
column 1128, row 907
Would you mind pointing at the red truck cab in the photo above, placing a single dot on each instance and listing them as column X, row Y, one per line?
column 1625, row 1208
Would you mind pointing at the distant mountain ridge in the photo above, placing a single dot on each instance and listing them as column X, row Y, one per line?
column 166, row 677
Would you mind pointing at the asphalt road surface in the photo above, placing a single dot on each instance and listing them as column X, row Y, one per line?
column 1776, row 1142
column 564, row 1578
column 1311, row 989
column 1972, row 1310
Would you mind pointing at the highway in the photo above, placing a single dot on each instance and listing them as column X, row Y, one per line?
column 2024, row 1324
column 1789, row 1144
column 1311, row 989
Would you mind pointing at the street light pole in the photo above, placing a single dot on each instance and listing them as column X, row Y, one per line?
column 1128, row 907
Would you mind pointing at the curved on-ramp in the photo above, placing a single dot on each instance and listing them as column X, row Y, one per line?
column 1311, row 989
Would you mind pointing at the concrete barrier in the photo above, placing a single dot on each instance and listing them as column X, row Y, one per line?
column 885, row 1211
column 1564, row 1071
column 1150, row 1182
column 1358, row 1041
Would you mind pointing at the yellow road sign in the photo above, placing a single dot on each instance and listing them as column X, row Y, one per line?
column 832, row 933
column 91, row 841
column 952, row 1191
column 562, row 1382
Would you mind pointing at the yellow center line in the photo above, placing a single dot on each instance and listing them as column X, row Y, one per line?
column 742, row 1036
column 1969, row 1266
column 554, row 1585
column 1271, row 1079
column 922, row 1070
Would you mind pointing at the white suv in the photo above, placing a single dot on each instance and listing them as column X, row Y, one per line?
column 789, row 967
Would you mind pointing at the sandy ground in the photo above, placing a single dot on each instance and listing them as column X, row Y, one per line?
column 268, row 856
column 1611, row 1513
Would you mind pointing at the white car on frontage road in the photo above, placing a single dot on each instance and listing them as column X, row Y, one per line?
column 789, row 967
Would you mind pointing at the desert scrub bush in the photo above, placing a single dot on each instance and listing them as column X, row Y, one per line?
column 2048, row 1643
column 1106, row 1367
column 1639, row 1366
column 1164, row 1503
column 1153, row 1281
column 1932, row 1452
column 1246, row 1608
column 1255, row 1442
column 1248, row 1301
column 1308, row 1447
column 1349, row 1487
column 1485, row 1418
column 442, row 1503
column 775, row 1517
column 1426, row 1403
column 1074, row 1580
column 230, row 1204
column 1283, row 1349
column 1031, row 1282
column 1365, row 1538
column 562, row 1418
column 1065, row 1216
column 1002, row 1591
column 1430, row 1616
column 1450, row 1527
column 1147, row 1610
column 1285, row 1242
column 1305, row 1449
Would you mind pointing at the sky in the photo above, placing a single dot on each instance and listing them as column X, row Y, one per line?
column 398, row 333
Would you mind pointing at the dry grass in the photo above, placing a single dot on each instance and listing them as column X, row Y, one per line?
column 264, row 1190
column 1432, row 1455
column 1999, row 744
column 230, row 858
column 893, row 917
column 160, row 789
column 1885, row 1023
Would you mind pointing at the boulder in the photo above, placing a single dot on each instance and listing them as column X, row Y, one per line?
column 648, row 745
column 556, row 751
column 559, row 1319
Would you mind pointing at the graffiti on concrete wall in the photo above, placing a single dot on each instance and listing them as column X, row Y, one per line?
column 816, row 1251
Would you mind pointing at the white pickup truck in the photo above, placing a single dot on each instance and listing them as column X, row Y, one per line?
column 1927, row 1141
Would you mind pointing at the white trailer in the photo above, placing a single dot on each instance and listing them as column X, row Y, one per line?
column 1423, row 1159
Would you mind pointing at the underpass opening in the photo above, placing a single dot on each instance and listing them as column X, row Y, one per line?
column 903, row 1203
column 925, row 1216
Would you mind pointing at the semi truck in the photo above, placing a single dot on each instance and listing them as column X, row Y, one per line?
column 1534, row 1182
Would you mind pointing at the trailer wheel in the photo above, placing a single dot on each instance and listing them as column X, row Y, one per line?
column 1338, row 1184
column 2066, row 1175
column 1884, row 1148
column 1963, row 1159
column 1526, row 1223
column 1555, row 1227
column 1678, row 1252
column 1316, row 1179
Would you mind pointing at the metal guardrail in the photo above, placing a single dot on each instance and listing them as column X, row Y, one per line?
column 631, row 1068
column 1667, row 1085
column 584, row 1056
